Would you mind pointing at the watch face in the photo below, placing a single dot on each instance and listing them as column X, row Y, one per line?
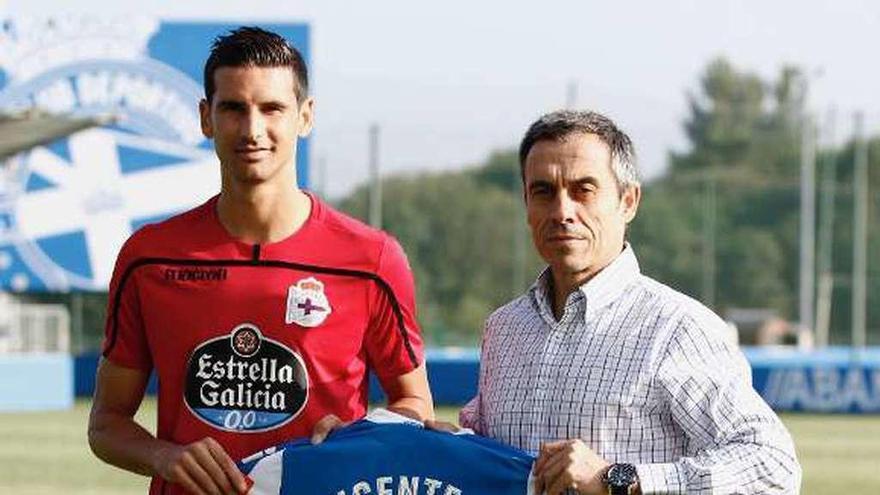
column 621, row 475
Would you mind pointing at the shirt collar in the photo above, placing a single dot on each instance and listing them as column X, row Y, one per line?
column 542, row 296
column 598, row 292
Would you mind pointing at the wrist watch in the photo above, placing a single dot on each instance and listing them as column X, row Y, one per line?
column 620, row 478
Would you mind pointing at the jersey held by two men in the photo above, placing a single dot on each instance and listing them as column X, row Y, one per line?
column 388, row 454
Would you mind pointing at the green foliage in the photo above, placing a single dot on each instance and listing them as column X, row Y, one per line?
column 501, row 170
column 724, row 118
column 751, row 268
column 745, row 142
column 739, row 122
column 730, row 201
column 841, row 163
column 666, row 235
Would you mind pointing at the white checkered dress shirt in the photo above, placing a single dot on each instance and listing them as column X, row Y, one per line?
column 643, row 375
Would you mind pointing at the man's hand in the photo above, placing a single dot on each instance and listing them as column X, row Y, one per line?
column 325, row 426
column 202, row 468
column 569, row 464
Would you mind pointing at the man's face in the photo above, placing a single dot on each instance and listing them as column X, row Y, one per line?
column 255, row 120
column 576, row 212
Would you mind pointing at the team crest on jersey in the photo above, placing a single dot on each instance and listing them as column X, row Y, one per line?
column 307, row 305
column 245, row 382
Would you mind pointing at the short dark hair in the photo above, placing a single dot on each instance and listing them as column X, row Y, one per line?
column 256, row 47
column 559, row 125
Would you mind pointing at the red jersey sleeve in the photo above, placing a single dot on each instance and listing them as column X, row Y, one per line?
column 125, row 341
column 393, row 341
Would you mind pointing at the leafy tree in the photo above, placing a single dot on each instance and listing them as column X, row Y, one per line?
column 666, row 235
column 744, row 151
column 723, row 120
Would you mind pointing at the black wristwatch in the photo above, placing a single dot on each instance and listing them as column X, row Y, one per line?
column 620, row 478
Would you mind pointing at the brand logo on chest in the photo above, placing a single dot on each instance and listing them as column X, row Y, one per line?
column 195, row 274
column 307, row 304
column 245, row 382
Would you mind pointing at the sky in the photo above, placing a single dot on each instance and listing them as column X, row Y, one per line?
column 448, row 82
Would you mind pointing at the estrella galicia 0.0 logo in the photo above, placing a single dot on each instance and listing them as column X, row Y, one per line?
column 245, row 382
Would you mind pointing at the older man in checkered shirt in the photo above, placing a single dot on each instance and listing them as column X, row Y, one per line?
column 617, row 382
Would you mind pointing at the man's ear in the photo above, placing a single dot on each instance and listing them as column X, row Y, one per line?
column 205, row 118
column 306, row 117
column 629, row 202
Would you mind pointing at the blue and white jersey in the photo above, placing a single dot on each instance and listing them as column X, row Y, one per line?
column 389, row 454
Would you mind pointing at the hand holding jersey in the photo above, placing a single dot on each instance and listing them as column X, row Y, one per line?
column 202, row 467
column 569, row 465
column 327, row 425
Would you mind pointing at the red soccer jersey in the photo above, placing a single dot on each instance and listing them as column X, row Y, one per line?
column 253, row 344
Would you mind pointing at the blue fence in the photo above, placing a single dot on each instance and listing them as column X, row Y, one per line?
column 837, row 380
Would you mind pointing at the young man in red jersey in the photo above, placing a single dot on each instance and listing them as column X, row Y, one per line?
column 262, row 309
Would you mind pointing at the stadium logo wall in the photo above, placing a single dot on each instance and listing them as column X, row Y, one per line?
column 853, row 389
column 66, row 208
column 244, row 382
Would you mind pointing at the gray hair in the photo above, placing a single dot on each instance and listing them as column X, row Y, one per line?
column 559, row 125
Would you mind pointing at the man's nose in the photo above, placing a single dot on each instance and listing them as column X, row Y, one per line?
column 564, row 208
column 253, row 126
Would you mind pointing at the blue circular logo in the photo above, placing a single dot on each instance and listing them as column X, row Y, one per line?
column 71, row 204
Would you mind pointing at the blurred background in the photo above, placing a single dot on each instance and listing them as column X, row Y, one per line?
column 757, row 126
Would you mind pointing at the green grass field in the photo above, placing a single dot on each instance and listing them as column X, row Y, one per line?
column 47, row 453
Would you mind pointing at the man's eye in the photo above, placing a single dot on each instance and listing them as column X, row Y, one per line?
column 586, row 189
column 540, row 191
